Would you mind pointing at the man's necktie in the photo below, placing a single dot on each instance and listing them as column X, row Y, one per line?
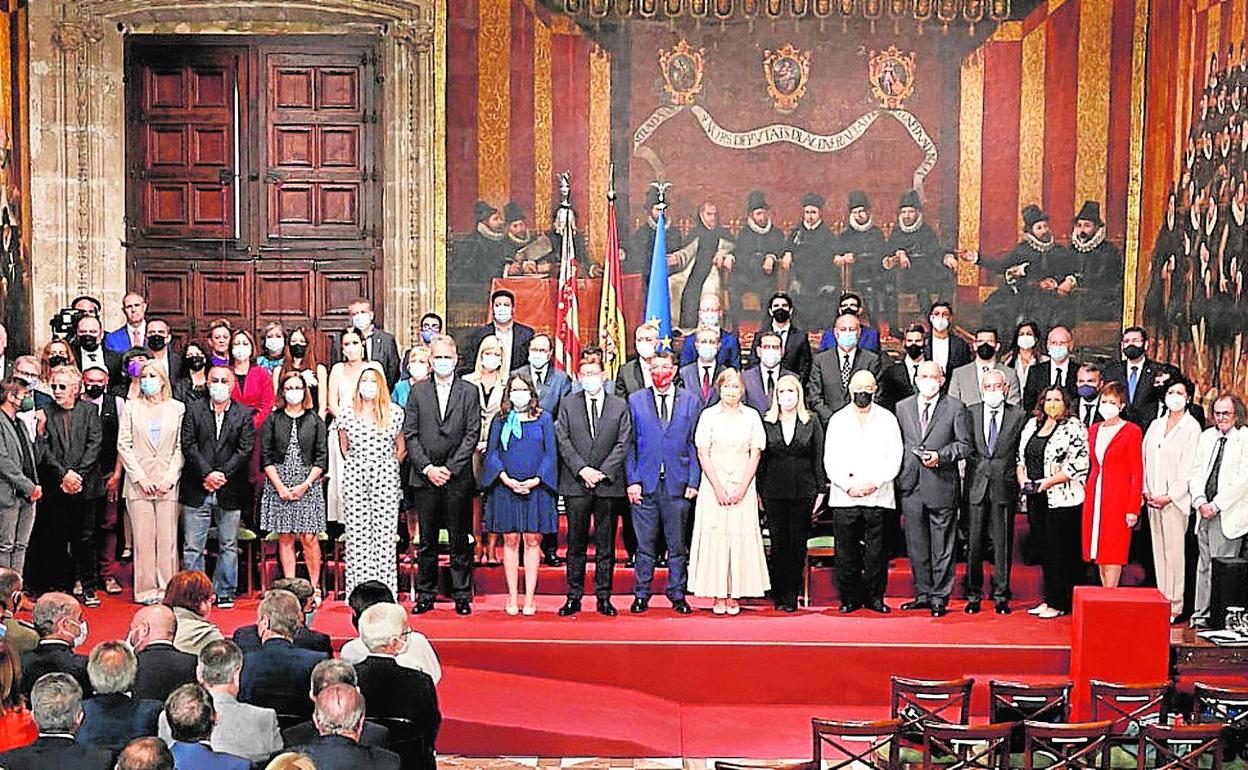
column 1133, row 379
column 846, row 364
column 914, row 373
column 771, row 383
column 1059, row 380
column 927, row 415
column 134, row 338
column 663, row 407
column 1211, row 484
column 992, row 432
column 1087, row 415
column 593, row 417
column 706, row 382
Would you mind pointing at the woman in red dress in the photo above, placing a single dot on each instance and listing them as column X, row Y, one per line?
column 17, row 725
column 1115, row 486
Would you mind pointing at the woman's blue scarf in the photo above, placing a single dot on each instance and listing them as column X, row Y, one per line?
column 511, row 427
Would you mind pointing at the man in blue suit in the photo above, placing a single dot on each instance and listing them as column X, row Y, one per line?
column 711, row 313
column 133, row 333
column 699, row 377
column 112, row 718
column 191, row 715
column 663, row 475
column 277, row 675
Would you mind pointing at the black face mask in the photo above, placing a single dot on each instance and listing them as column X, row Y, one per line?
column 89, row 344
column 297, row 350
column 850, row 310
column 914, row 351
column 985, row 351
column 156, row 342
column 93, row 391
column 781, row 314
column 56, row 361
column 862, row 399
column 196, row 363
column 1133, row 351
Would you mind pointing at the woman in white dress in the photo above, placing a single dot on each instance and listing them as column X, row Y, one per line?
column 342, row 381
column 727, row 560
column 1169, row 452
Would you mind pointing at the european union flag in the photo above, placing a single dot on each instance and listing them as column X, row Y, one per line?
column 658, row 297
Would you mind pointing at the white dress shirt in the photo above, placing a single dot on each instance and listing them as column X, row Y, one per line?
column 989, row 412
column 857, row 452
column 940, row 352
column 94, row 359
column 444, row 394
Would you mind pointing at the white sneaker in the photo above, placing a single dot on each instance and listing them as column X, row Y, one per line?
column 1049, row 613
column 1039, row 609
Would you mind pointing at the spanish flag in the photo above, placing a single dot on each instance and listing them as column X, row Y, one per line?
column 611, row 328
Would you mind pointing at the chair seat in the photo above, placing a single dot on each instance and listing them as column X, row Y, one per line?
column 822, row 546
column 246, row 535
column 444, row 538
column 273, row 537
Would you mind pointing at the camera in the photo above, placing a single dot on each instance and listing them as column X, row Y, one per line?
column 64, row 323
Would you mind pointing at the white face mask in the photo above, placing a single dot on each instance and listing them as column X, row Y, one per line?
column 927, row 386
column 1026, row 342
column 787, row 399
column 294, row 397
column 520, row 399
column 362, row 320
column 939, row 323
column 994, row 398
column 707, row 352
column 502, row 313
column 1108, row 411
column 538, row 359
column 1175, row 402
column 709, row 318
column 368, row 390
column 491, row 362
column 418, row 370
column 241, row 352
column 81, row 638
column 591, row 384
column 769, row 358
column 645, row 349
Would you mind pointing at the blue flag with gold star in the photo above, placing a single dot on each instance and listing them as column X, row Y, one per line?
column 658, row 297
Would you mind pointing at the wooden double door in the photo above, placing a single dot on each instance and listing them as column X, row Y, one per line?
column 254, row 186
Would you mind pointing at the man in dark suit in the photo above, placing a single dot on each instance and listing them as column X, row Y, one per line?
column 102, row 493
column 89, row 348
column 1146, row 379
column 248, row 637
column 897, row 378
column 663, row 476
column 57, row 706
column 145, row 754
column 514, row 336
column 112, row 717
column 634, row 375
column 392, row 692
column 339, row 719
column 160, row 343
column 698, row 378
column 944, row 346
column 760, row 380
column 1060, row 369
column 191, row 716
column 58, row 620
column 276, row 675
column 552, row 384
column 593, row 432
column 1087, row 406
column 330, row 672
column 711, row 315
column 161, row 667
column 992, row 489
column 442, row 424
column 218, row 435
column 828, row 388
column 68, row 448
column 936, row 434
column 379, row 345
column 794, row 343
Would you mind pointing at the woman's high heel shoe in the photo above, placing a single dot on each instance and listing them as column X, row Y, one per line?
column 511, row 609
column 529, row 610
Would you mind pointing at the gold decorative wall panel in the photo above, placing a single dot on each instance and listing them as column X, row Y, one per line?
column 970, row 160
column 599, row 150
column 1031, row 119
column 1092, row 122
column 542, row 123
column 494, row 100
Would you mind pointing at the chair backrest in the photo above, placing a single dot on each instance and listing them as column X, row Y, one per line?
column 1130, row 706
column 1225, row 705
column 872, row 745
column 1016, row 702
column 1077, row 746
column 967, row 747
column 405, row 740
column 1181, row 747
column 919, row 702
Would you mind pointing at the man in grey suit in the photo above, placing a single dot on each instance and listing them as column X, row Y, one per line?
column 593, row 433
column 936, row 433
column 19, row 476
column 244, row 730
column 992, row 490
column 966, row 381
column 828, row 389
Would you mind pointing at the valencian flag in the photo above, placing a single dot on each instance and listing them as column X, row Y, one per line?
column 610, row 313
column 567, row 326
column 658, row 297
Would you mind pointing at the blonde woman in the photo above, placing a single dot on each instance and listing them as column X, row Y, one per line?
column 370, row 438
column 490, row 380
column 149, row 442
column 343, row 379
column 727, row 560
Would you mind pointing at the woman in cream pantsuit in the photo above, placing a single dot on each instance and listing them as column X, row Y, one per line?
column 149, row 442
column 1169, row 451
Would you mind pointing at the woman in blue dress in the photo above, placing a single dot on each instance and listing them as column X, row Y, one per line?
column 520, row 473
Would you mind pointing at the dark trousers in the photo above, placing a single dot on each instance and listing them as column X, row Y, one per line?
column 660, row 516
column 604, row 510
column 107, row 518
column 788, row 521
column 82, row 543
column 436, row 507
column 62, row 544
column 929, row 541
column 990, row 521
column 1063, row 557
column 861, row 566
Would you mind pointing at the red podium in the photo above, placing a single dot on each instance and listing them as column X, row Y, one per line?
column 1118, row 635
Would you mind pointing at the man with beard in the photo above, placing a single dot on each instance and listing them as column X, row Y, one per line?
column 811, row 248
column 485, row 253
column 702, row 266
column 760, row 245
column 861, row 248
column 1099, row 268
column 926, row 268
column 1039, row 275
column 641, row 243
column 530, row 256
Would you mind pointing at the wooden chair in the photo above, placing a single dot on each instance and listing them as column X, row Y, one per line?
column 967, row 747
column 876, row 748
column 821, row 547
column 916, row 703
column 1077, row 746
column 406, row 741
column 1016, row 702
column 1129, row 707
column 1224, row 705
column 1180, row 747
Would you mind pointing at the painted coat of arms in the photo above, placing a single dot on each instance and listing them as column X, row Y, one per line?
column 682, row 68
column 891, row 74
column 787, row 70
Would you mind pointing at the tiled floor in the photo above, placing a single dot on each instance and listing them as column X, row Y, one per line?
column 575, row 763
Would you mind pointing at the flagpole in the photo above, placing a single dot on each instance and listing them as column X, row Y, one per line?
column 611, row 321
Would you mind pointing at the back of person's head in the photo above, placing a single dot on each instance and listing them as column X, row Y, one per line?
column 381, row 623
column 145, row 754
column 10, row 676
column 188, row 589
column 219, row 663
column 190, row 713
column 162, row 624
column 291, row 760
column 365, row 595
column 300, row 587
column 330, row 672
column 10, row 583
column 339, row 711
column 112, row 668
column 49, row 611
column 56, row 701
column 279, row 610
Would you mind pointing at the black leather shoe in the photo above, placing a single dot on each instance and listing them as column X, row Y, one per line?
column 552, row 560
column 879, row 606
column 681, row 607
column 463, row 606
column 605, row 608
column 972, row 607
column 848, row 608
column 917, row 604
column 788, row 607
column 939, row 610
column 422, row 606
column 640, row 605
column 570, row 607
column 1001, row 606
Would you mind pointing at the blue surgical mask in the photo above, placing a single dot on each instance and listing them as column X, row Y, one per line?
column 1086, row 392
column 427, row 335
column 443, row 367
column 1058, row 352
column 150, row 385
column 846, row 340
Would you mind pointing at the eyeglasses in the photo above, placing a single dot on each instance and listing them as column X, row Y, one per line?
column 1223, row 414
column 59, row 386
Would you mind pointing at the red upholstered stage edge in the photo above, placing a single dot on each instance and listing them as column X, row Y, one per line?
column 1118, row 635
